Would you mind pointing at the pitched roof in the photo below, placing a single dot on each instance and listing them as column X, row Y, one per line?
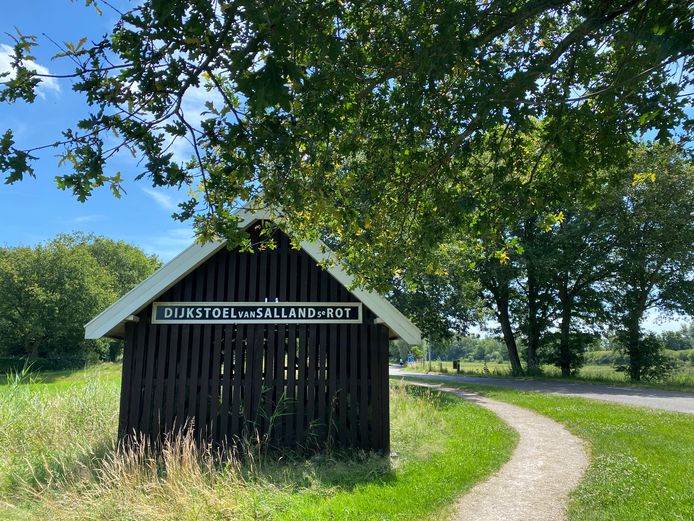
column 110, row 322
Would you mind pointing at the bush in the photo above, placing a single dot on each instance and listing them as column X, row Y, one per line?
column 48, row 293
column 578, row 345
column 653, row 363
column 685, row 355
column 605, row 358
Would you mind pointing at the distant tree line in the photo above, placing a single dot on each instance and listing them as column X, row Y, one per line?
column 48, row 292
column 576, row 259
column 677, row 346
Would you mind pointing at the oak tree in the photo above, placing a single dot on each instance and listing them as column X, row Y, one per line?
column 356, row 119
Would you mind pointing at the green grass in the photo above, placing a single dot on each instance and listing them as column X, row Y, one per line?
column 58, row 462
column 682, row 379
column 52, row 381
column 642, row 460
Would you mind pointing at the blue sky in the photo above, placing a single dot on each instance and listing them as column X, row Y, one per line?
column 35, row 210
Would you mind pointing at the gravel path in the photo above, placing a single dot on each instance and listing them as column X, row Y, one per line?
column 655, row 398
column 535, row 483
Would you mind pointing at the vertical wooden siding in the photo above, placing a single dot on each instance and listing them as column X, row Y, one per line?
column 302, row 385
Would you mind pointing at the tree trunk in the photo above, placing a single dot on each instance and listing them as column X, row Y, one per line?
column 504, row 319
column 633, row 341
column 533, row 331
column 636, row 310
column 31, row 347
column 565, row 331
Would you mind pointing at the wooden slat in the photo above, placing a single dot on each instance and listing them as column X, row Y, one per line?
column 207, row 350
column 194, row 376
column 300, row 418
column 138, row 379
column 205, row 380
column 332, row 366
column 353, row 385
column 252, row 333
column 182, row 380
column 126, row 378
column 240, row 294
column 343, row 385
column 248, row 375
column 232, row 276
column 237, row 381
column 216, row 369
column 278, row 383
column 385, row 390
column 230, row 333
column 312, row 361
column 290, row 412
column 375, row 419
column 225, row 410
column 195, row 354
column 157, row 410
column 364, row 388
column 258, row 369
column 321, row 363
column 280, row 355
column 311, row 379
column 267, row 401
column 170, row 381
column 259, row 376
column 137, row 385
column 149, row 376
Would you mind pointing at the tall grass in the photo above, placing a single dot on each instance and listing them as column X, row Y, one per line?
column 61, row 462
column 48, row 437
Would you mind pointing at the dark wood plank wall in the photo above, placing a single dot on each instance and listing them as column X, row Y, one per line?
column 297, row 385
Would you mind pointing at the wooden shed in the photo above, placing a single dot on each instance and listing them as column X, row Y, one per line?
column 233, row 343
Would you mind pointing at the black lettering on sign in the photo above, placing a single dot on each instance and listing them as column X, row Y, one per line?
column 256, row 313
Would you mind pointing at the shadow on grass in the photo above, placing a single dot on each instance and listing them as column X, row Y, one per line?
column 342, row 469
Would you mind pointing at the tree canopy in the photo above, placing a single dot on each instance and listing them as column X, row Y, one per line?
column 361, row 120
column 49, row 292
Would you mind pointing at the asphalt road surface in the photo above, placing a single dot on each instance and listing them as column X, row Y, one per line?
column 643, row 397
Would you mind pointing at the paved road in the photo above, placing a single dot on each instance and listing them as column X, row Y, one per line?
column 666, row 400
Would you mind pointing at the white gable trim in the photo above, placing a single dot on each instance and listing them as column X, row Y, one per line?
column 111, row 321
column 383, row 309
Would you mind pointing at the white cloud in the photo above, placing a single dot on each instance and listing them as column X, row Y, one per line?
column 6, row 53
column 87, row 218
column 194, row 103
column 165, row 201
column 181, row 149
column 169, row 244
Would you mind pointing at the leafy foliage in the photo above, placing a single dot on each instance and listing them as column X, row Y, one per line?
column 49, row 292
column 652, row 362
column 654, row 232
column 361, row 120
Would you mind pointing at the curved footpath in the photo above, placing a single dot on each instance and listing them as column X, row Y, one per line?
column 642, row 397
column 535, row 483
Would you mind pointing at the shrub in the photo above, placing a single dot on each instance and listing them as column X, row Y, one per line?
column 653, row 363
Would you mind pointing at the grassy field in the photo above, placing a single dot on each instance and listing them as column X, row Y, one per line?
column 683, row 379
column 58, row 462
column 642, row 464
